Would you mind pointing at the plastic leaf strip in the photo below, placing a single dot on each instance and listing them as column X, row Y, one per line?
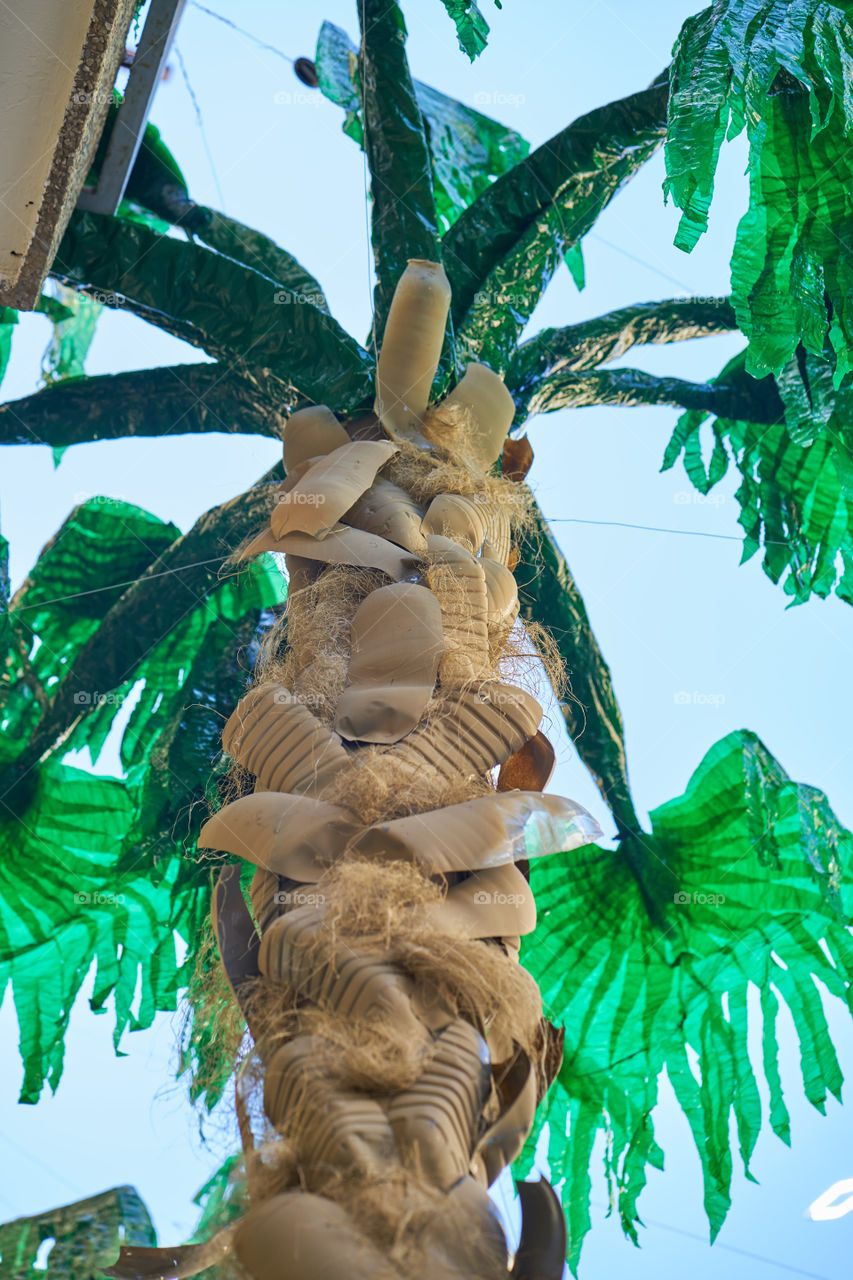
column 468, row 150
column 504, row 249
column 218, row 304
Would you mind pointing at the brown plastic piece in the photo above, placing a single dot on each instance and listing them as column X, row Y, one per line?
column 397, row 642
column 498, row 541
column 310, row 433
column 486, row 832
column 517, row 458
column 138, row 1262
column 481, row 728
column 328, row 487
column 274, row 735
column 461, row 519
column 530, row 768
column 411, row 347
column 501, row 594
column 435, row 1122
column 290, row 835
column 235, row 932
column 336, row 1132
column 387, row 510
column 503, row 1140
column 542, row 1248
column 460, row 584
column 299, row 1236
column 488, row 904
column 481, row 397
column 341, row 545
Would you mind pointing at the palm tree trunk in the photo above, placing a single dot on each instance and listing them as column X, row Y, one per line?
column 392, row 773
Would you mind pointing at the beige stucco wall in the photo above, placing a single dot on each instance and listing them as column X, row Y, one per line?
column 40, row 46
column 58, row 61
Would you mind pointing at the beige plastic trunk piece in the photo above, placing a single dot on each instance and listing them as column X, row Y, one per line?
column 487, row 832
column 501, row 594
column 471, row 1204
column 328, row 487
column 494, row 903
column 503, row 1140
column 481, row 397
column 411, row 347
column 274, row 735
column 458, row 518
column 481, row 728
column 435, row 1122
column 397, row 642
column 341, row 546
column 353, row 985
column 336, row 1132
column 390, row 512
column 299, row 1236
column 459, row 583
column 284, row 833
column 530, row 768
column 498, row 541
column 309, row 433
column 263, row 894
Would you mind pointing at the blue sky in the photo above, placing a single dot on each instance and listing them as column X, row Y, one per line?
column 673, row 611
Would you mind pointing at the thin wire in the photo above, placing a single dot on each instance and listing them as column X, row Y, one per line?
column 615, row 524
column 114, row 586
column 652, row 528
column 593, row 235
column 201, row 128
column 270, row 48
column 730, row 1248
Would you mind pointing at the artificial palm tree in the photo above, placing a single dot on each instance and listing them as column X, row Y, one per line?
column 118, row 597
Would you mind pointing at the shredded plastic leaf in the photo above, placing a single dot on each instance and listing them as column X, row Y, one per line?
column 468, row 150
column 796, row 490
column 753, row 866
column 118, row 853
column 472, row 30
column 86, row 1237
column 781, row 70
